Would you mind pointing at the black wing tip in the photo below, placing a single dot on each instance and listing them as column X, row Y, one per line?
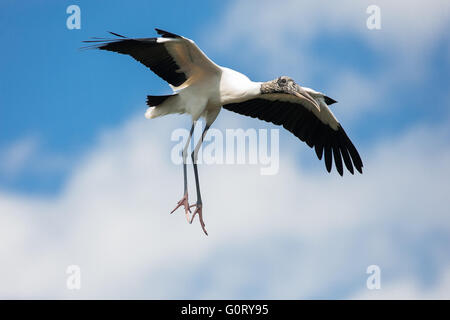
column 328, row 158
column 100, row 43
column 319, row 151
column 359, row 169
column 329, row 101
column 338, row 161
column 98, row 39
column 339, row 150
column 353, row 152
column 117, row 35
column 166, row 34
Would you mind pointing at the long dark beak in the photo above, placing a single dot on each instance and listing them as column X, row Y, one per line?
column 305, row 96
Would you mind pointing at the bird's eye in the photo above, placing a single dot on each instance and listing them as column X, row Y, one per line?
column 282, row 81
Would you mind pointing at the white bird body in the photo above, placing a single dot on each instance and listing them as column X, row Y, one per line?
column 202, row 88
column 207, row 93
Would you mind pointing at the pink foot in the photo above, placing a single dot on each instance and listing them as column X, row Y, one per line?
column 184, row 202
column 198, row 210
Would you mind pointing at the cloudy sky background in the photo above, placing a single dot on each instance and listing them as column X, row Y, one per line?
column 85, row 179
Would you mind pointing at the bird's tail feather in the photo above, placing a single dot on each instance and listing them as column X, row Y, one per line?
column 157, row 107
column 154, row 101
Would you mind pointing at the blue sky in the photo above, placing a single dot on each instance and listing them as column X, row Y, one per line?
column 61, row 107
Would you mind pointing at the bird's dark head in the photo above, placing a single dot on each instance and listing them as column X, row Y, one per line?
column 282, row 84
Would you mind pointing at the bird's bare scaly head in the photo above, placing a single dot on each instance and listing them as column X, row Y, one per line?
column 287, row 85
column 282, row 84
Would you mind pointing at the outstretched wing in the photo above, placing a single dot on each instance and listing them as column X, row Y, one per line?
column 319, row 128
column 172, row 57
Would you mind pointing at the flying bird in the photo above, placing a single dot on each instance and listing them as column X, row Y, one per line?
column 201, row 88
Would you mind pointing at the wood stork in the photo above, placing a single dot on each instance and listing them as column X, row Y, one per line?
column 201, row 88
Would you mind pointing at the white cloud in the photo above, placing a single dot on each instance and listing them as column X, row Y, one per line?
column 17, row 155
column 26, row 156
column 292, row 235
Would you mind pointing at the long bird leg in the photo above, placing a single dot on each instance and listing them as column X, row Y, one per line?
column 198, row 205
column 184, row 201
